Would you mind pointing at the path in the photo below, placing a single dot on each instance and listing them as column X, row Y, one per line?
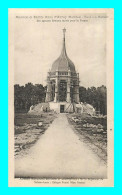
column 60, row 154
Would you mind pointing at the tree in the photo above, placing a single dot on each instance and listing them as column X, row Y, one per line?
column 95, row 96
column 25, row 96
column 82, row 94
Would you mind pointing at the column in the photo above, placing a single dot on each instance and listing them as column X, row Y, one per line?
column 56, row 88
column 77, row 90
column 68, row 99
column 48, row 93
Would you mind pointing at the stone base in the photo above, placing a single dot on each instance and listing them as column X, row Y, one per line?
column 61, row 107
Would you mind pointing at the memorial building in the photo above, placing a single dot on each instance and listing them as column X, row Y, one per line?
column 62, row 83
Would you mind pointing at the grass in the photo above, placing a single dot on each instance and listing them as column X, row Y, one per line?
column 27, row 131
column 95, row 139
column 21, row 119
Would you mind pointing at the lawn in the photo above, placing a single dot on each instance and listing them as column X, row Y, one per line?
column 28, row 130
column 92, row 131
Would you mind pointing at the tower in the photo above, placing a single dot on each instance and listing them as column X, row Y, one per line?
column 62, row 82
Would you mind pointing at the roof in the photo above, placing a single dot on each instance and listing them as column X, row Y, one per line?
column 63, row 63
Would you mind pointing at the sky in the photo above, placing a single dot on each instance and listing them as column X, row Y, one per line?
column 38, row 44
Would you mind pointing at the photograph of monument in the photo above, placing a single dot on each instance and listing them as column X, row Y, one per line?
column 60, row 92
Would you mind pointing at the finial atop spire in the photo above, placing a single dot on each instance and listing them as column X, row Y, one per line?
column 64, row 49
column 64, row 30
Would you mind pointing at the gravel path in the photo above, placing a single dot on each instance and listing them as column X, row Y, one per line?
column 60, row 154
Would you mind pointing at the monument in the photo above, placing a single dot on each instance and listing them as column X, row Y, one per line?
column 62, row 83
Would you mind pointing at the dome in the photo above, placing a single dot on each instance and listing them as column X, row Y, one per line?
column 63, row 63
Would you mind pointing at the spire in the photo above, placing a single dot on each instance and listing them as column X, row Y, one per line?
column 63, row 53
column 64, row 31
column 63, row 63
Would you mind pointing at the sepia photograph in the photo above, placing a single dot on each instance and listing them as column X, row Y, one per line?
column 61, row 97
